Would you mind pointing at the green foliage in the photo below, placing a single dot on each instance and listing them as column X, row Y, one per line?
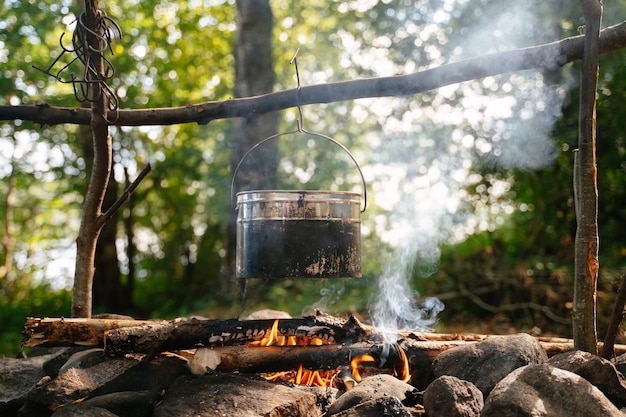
column 28, row 301
column 508, row 240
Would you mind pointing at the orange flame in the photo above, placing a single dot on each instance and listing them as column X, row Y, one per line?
column 322, row 378
column 273, row 338
column 405, row 376
column 354, row 365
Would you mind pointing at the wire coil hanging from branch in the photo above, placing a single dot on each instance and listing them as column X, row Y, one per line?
column 105, row 30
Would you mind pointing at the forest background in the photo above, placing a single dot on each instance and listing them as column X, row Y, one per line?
column 470, row 195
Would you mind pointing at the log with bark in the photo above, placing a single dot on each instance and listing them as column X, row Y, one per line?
column 153, row 337
column 119, row 337
column 344, row 339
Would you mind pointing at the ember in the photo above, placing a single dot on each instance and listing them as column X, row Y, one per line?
column 323, row 378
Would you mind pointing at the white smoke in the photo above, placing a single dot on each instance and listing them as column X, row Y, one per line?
column 427, row 155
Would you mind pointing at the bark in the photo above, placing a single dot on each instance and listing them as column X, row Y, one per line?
column 586, row 262
column 420, row 353
column 107, row 287
column 51, row 332
column 547, row 56
column 131, row 249
column 225, row 338
column 92, row 221
column 254, row 75
column 155, row 336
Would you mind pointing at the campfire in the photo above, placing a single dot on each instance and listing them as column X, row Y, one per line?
column 317, row 350
column 143, row 359
column 342, row 377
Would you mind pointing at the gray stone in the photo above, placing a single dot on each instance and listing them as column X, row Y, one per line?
column 17, row 378
column 378, row 407
column 545, row 391
column 484, row 364
column 81, row 410
column 77, row 383
column 235, row 395
column 83, row 359
column 58, row 358
column 267, row 314
column 598, row 371
column 371, row 388
column 126, row 403
column 448, row 396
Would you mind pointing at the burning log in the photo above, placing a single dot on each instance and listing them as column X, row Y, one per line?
column 337, row 341
column 265, row 359
column 119, row 337
column 416, row 355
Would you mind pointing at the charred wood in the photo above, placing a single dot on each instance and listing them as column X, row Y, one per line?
column 348, row 337
column 153, row 337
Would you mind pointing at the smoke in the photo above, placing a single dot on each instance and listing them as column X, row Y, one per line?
column 429, row 154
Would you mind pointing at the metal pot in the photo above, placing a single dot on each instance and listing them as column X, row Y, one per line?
column 298, row 234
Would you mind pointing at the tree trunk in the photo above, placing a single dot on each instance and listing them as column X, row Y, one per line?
column 107, row 288
column 254, row 75
column 91, row 222
column 586, row 262
column 131, row 249
column 107, row 285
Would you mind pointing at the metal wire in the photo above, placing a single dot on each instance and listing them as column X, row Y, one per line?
column 300, row 129
column 105, row 30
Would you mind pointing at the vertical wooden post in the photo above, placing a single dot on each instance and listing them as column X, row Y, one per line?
column 586, row 262
column 91, row 222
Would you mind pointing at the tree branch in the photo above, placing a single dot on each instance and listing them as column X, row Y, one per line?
column 90, row 227
column 125, row 196
column 546, row 56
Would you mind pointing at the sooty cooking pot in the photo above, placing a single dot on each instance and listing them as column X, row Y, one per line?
column 298, row 234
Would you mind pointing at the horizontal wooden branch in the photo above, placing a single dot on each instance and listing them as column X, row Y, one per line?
column 153, row 337
column 51, row 332
column 547, row 56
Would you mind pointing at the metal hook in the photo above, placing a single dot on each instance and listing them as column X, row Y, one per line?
column 300, row 129
column 300, row 121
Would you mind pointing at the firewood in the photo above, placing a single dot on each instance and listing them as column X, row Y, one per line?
column 51, row 332
column 153, row 337
column 121, row 337
column 185, row 334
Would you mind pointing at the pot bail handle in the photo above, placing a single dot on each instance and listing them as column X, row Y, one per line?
column 300, row 130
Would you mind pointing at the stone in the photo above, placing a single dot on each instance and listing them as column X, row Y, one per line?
column 17, row 378
column 378, row 407
column 78, row 383
column 598, row 371
column 80, row 410
column 545, row 391
column 267, row 314
column 484, row 364
column 234, row 395
column 126, row 403
column 373, row 387
column 58, row 358
column 449, row 396
column 83, row 359
column 104, row 375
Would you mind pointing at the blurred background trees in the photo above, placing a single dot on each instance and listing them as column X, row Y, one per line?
column 460, row 167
